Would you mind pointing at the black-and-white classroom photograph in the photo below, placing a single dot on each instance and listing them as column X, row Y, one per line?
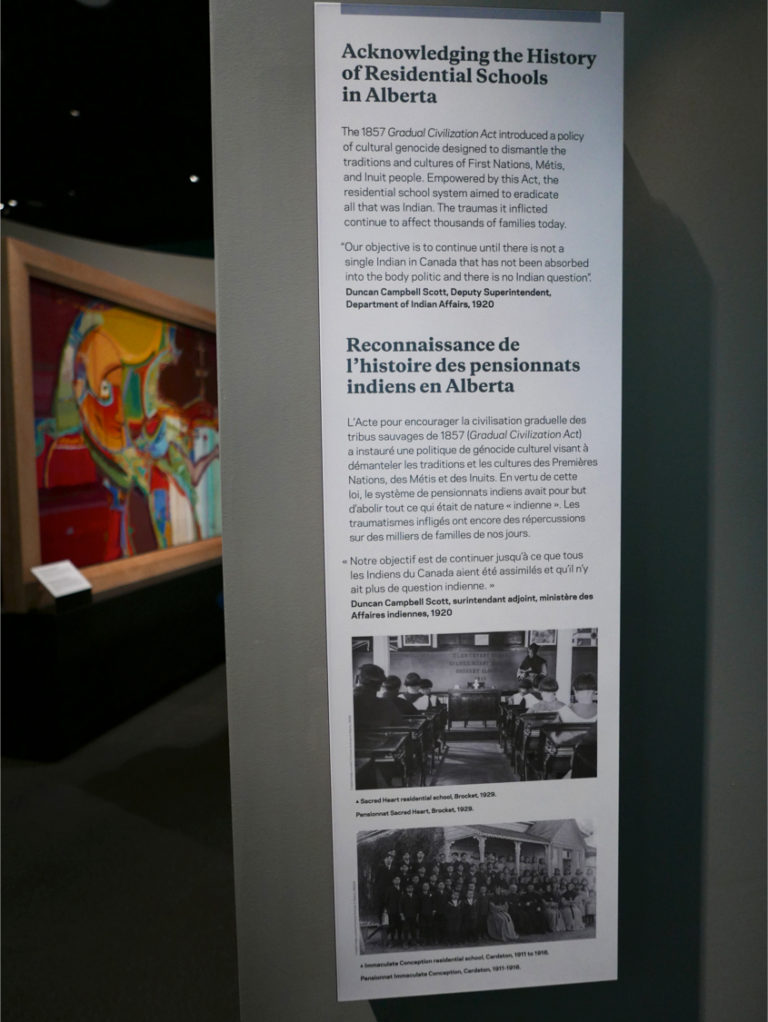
column 447, row 887
column 474, row 708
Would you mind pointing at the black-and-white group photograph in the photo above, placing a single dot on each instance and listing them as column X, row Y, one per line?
column 474, row 708
column 450, row 887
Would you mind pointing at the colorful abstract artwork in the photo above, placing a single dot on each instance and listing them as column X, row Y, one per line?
column 126, row 429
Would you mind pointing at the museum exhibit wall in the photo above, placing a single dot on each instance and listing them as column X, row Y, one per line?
column 176, row 621
column 693, row 681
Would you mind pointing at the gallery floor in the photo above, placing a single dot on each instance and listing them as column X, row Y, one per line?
column 118, row 898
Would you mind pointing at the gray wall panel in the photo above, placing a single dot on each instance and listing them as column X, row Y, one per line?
column 694, row 290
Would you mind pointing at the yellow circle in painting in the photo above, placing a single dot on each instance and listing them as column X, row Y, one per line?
column 138, row 337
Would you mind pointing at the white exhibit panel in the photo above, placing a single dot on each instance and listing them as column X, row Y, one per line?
column 470, row 209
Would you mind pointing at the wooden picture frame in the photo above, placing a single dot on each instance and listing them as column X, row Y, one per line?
column 24, row 266
column 584, row 637
column 542, row 637
column 423, row 641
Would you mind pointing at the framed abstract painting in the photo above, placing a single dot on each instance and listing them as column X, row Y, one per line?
column 110, row 426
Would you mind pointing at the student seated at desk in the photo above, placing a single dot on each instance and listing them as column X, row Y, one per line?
column 413, row 689
column 424, row 700
column 549, row 703
column 412, row 682
column 526, row 695
column 369, row 710
column 427, row 702
column 584, row 707
column 390, row 691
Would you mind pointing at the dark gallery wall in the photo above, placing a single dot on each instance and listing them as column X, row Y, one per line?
column 693, row 694
column 87, row 668
column 69, row 675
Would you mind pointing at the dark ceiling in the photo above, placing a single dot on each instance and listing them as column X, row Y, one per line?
column 106, row 120
column 107, row 114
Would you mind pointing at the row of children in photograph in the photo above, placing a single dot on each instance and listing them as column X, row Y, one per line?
column 537, row 906
column 416, row 893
